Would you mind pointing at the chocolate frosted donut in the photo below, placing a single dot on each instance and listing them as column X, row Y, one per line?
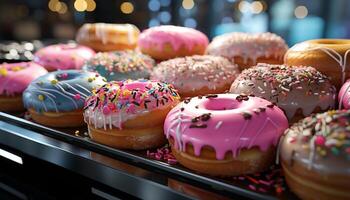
column 248, row 49
column 315, row 156
column 121, row 65
column 197, row 75
column 299, row 91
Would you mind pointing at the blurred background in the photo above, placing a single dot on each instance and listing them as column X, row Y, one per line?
column 294, row 20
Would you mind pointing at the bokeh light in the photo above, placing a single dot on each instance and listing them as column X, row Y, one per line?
column 80, row 5
column 300, row 12
column 188, row 4
column 127, row 7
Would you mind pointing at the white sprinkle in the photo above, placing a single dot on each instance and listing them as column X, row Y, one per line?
column 218, row 125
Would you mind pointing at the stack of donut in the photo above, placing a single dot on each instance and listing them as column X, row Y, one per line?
column 229, row 112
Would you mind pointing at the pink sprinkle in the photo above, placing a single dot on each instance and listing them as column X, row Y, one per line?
column 252, row 187
column 77, row 97
column 320, row 140
column 111, row 106
column 106, row 110
column 268, row 183
column 64, row 75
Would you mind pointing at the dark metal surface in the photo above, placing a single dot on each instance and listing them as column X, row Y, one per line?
column 128, row 172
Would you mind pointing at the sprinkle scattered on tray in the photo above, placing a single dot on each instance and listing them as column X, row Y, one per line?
column 162, row 154
column 270, row 181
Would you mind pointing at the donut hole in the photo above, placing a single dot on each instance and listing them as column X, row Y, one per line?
column 66, row 76
column 221, row 104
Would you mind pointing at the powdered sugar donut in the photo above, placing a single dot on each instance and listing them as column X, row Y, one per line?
column 248, row 49
column 14, row 79
column 197, row 75
column 166, row 42
column 63, row 56
column 225, row 134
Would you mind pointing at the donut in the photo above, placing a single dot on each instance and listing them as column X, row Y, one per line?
column 329, row 56
column 299, row 91
column 129, row 114
column 315, row 156
column 63, row 56
column 344, row 96
column 14, row 79
column 108, row 37
column 57, row 98
column 248, row 49
column 167, row 41
column 197, row 75
column 121, row 65
column 225, row 134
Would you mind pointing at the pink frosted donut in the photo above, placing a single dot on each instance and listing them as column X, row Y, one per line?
column 225, row 134
column 14, row 79
column 166, row 42
column 248, row 49
column 344, row 96
column 63, row 56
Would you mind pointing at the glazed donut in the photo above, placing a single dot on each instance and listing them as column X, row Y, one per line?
column 225, row 134
column 14, row 79
column 130, row 114
column 63, row 56
column 344, row 96
column 329, row 56
column 57, row 98
column 248, row 49
column 167, row 41
column 121, row 65
column 197, row 75
column 315, row 156
column 299, row 91
column 108, row 37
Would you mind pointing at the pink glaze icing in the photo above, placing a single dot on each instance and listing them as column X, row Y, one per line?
column 63, row 56
column 15, row 77
column 177, row 36
column 344, row 96
column 118, row 101
column 226, row 122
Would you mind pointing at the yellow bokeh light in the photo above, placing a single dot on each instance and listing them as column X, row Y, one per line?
column 244, row 6
column 54, row 5
column 188, row 4
column 300, row 12
column 127, row 7
column 257, row 7
column 91, row 5
column 63, row 9
column 80, row 5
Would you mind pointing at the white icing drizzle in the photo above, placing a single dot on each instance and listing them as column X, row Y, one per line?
column 267, row 120
column 176, row 123
column 102, row 32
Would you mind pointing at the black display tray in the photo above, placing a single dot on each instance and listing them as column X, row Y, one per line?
column 38, row 141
